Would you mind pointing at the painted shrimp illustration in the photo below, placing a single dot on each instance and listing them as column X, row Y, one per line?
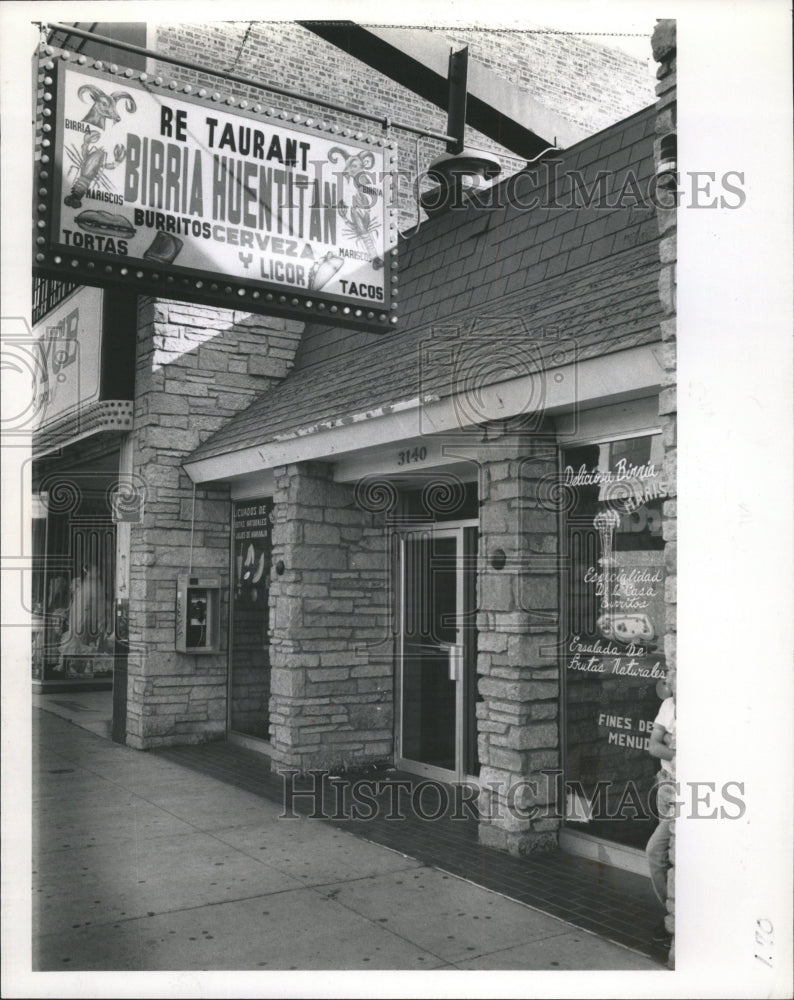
column 91, row 164
column 354, row 183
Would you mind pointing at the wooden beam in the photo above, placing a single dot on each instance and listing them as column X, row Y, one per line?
column 420, row 61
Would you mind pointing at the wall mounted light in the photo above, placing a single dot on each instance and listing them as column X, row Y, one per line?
column 498, row 559
column 456, row 176
column 280, row 567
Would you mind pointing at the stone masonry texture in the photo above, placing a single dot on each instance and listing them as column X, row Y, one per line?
column 332, row 702
column 664, row 51
column 518, row 717
column 195, row 368
column 332, row 667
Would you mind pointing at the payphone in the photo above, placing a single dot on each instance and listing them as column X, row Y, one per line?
column 198, row 614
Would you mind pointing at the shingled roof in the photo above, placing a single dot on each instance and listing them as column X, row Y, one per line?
column 499, row 270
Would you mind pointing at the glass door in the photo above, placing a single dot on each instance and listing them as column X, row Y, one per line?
column 437, row 728
column 249, row 643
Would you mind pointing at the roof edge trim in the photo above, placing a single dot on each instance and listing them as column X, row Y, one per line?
column 610, row 377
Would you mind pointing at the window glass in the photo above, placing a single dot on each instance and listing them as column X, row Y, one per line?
column 613, row 633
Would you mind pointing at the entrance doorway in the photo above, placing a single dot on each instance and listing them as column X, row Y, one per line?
column 437, row 653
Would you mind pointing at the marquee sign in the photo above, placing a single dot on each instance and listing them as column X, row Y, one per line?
column 143, row 183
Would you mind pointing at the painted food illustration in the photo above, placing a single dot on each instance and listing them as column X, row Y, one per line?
column 99, row 221
column 253, row 567
column 626, row 628
column 359, row 196
column 614, row 624
column 91, row 161
column 164, row 248
column 323, row 270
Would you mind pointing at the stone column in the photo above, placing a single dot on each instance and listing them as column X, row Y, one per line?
column 664, row 52
column 518, row 718
column 196, row 367
column 331, row 701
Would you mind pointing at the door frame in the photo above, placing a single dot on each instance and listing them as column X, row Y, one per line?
column 442, row 529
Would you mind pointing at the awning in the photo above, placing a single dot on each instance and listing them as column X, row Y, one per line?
column 109, row 416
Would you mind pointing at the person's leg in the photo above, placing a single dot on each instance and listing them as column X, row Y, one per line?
column 657, row 851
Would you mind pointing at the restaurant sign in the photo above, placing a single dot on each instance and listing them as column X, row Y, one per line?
column 69, row 352
column 166, row 188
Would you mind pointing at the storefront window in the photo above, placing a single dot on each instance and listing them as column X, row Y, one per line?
column 73, row 611
column 614, row 622
column 249, row 695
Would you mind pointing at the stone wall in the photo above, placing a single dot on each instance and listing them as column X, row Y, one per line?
column 332, row 702
column 518, row 718
column 195, row 368
column 664, row 52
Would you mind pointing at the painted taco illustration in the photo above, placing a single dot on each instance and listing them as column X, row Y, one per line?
column 323, row 270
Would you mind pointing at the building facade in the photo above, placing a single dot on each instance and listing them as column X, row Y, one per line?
column 449, row 546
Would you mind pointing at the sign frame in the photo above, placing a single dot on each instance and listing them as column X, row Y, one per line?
column 55, row 257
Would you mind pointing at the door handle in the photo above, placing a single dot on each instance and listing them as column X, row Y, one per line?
column 455, row 662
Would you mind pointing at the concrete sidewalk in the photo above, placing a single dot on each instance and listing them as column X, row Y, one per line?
column 141, row 864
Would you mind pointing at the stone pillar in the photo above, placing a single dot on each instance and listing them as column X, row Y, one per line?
column 332, row 701
column 518, row 718
column 664, row 52
column 196, row 367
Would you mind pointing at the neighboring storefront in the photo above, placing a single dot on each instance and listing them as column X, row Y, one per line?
column 85, row 338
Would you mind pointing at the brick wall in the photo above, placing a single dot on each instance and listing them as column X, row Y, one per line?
column 331, row 652
column 195, row 368
column 591, row 85
column 518, row 718
column 664, row 51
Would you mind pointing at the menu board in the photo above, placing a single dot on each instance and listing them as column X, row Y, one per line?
column 252, row 528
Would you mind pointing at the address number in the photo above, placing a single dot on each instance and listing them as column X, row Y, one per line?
column 411, row 455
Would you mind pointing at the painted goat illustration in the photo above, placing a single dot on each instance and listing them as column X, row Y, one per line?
column 104, row 105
